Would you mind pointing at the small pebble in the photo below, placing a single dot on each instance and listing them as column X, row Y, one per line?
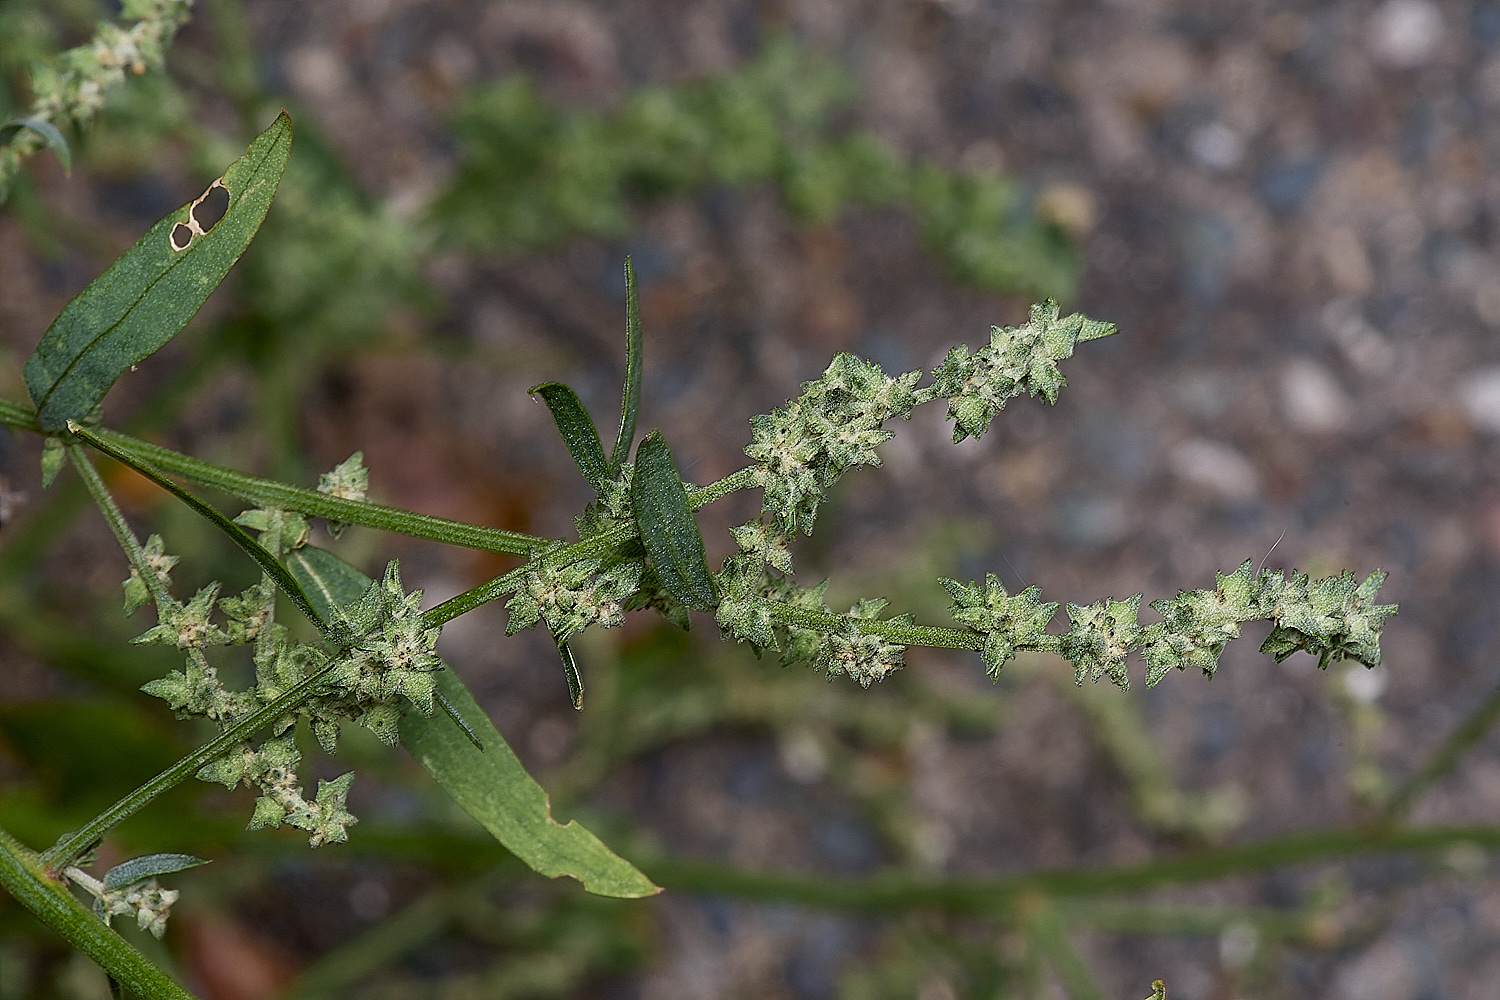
column 1479, row 395
column 1386, row 971
column 1217, row 468
column 1217, row 147
column 1363, row 346
column 1312, row 400
column 1365, row 684
column 1405, row 34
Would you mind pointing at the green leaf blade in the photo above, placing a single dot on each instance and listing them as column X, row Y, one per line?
column 139, row 869
column 149, row 294
column 667, row 528
column 494, row 788
column 489, row 783
column 630, row 397
column 577, row 430
column 328, row 581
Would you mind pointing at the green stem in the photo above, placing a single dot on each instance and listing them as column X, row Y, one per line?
column 598, row 545
column 14, row 414
column 702, row 496
column 72, row 846
column 118, row 525
column 271, row 493
column 1050, row 937
column 998, row 897
column 898, row 632
column 26, row 879
column 1469, row 732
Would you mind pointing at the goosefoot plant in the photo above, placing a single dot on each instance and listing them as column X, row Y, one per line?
column 375, row 662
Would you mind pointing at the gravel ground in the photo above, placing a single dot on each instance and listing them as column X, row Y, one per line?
column 1289, row 210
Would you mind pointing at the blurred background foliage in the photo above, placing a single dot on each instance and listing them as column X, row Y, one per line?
column 400, row 302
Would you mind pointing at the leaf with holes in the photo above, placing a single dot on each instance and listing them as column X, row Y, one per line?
column 156, row 286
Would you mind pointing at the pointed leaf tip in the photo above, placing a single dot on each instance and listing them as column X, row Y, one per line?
column 630, row 396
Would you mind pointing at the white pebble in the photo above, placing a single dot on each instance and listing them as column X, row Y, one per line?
column 1405, row 33
column 1479, row 395
column 1365, row 684
column 1312, row 400
column 1216, row 146
column 1216, row 467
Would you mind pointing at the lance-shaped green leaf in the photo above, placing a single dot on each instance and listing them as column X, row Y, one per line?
column 570, row 671
column 155, row 287
column 668, row 530
column 139, row 869
column 495, row 789
column 630, row 398
column 328, row 581
column 577, row 430
column 23, row 877
column 490, row 783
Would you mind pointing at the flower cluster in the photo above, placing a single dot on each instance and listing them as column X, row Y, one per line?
column 150, row 903
column 394, row 657
column 271, row 770
column 746, row 592
column 388, row 656
column 862, row 656
column 1334, row 618
column 801, row 449
column 612, row 508
column 349, row 480
column 769, row 611
column 76, row 87
column 1012, row 623
column 160, row 565
column 1018, row 359
column 573, row 597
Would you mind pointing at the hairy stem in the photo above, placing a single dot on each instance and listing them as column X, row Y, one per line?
column 26, row 879
column 598, row 545
column 270, row 493
column 897, row 632
column 117, row 524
